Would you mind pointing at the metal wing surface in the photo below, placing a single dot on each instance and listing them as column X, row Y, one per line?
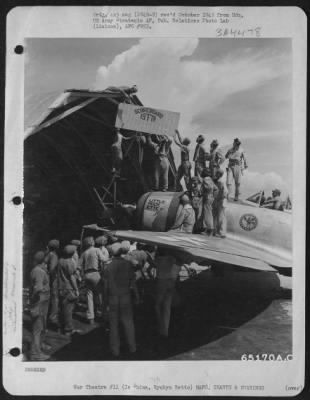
column 226, row 251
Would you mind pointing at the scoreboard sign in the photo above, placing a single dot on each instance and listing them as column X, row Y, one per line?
column 146, row 119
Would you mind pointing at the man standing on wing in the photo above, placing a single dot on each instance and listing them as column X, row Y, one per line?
column 219, row 205
column 236, row 158
column 184, row 169
column 200, row 155
column 216, row 158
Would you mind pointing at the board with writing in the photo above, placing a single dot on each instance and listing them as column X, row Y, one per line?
column 147, row 119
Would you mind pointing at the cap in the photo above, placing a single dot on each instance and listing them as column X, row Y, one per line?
column 237, row 141
column 88, row 242
column 101, row 241
column 186, row 141
column 69, row 250
column 53, row 244
column 76, row 242
column 116, row 249
column 39, row 257
column 200, row 139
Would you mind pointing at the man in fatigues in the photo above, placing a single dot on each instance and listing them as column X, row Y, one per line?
column 184, row 169
column 91, row 263
column 119, row 280
column 209, row 192
column 185, row 219
column 216, row 158
column 167, row 273
column 200, row 155
column 39, row 301
column 236, row 158
column 161, row 167
column 68, row 289
column 219, row 205
column 51, row 260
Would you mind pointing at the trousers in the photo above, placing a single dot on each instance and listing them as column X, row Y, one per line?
column 38, row 329
column 184, row 170
column 94, row 291
column 219, row 218
column 121, row 313
column 234, row 175
column 161, row 171
column 163, row 301
column 54, row 302
column 208, row 213
column 66, row 311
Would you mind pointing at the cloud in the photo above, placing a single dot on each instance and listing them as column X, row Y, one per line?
column 167, row 77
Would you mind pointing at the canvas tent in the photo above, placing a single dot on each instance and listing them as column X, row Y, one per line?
column 67, row 155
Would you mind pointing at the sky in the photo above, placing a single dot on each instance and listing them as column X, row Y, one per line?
column 222, row 88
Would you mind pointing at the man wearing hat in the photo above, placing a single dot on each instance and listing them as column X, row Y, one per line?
column 68, row 289
column 216, row 157
column 119, row 280
column 236, row 158
column 219, row 205
column 184, row 169
column 275, row 203
column 200, row 155
column 39, row 301
column 51, row 260
column 91, row 263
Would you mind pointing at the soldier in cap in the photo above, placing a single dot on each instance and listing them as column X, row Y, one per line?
column 161, row 167
column 184, row 169
column 39, row 301
column 185, row 218
column 68, row 288
column 216, row 158
column 91, row 263
column 275, row 203
column 236, row 163
column 51, row 260
column 209, row 192
column 219, row 205
column 200, row 155
column 119, row 281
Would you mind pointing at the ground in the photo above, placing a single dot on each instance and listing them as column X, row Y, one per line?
column 215, row 325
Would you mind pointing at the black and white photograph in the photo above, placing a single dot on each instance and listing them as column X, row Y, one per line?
column 159, row 193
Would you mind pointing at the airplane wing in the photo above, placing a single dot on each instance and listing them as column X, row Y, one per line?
column 209, row 248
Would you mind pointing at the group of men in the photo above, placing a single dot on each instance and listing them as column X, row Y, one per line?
column 112, row 272
column 202, row 209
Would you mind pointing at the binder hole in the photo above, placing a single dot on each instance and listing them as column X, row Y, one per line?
column 19, row 49
column 15, row 352
column 17, row 200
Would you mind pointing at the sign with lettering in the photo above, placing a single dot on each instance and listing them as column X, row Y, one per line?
column 146, row 119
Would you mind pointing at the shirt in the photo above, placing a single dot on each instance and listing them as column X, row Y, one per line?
column 216, row 157
column 51, row 263
column 40, row 284
column 119, row 276
column 92, row 259
column 236, row 154
column 200, row 155
column 185, row 219
column 166, row 267
column 209, row 189
column 222, row 193
column 184, row 153
column 66, row 268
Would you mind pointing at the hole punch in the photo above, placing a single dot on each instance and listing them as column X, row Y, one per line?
column 15, row 352
column 19, row 49
column 17, row 200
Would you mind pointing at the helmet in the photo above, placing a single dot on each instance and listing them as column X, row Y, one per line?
column 69, row 250
column 39, row 257
column 101, row 241
column 125, row 244
column 200, row 139
column 53, row 244
column 88, row 242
